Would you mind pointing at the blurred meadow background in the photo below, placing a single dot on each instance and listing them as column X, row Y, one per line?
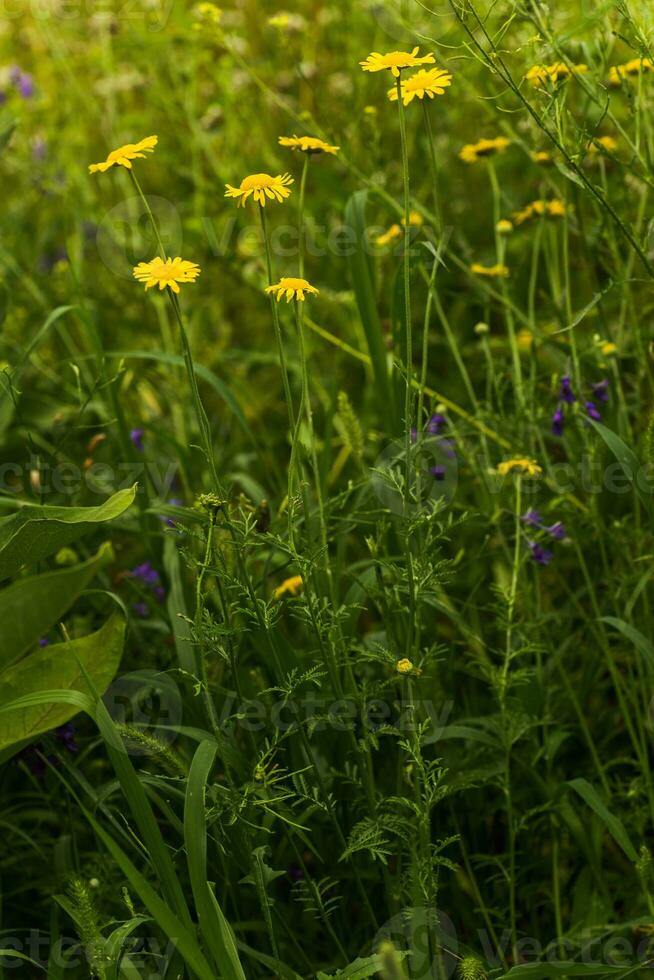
column 326, row 627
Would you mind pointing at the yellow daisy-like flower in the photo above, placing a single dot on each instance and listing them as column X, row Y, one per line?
column 395, row 61
column 522, row 465
column 608, row 143
column 292, row 289
column 472, row 152
column 429, row 82
column 404, row 666
column 397, row 231
column 490, row 271
column 540, row 75
column 542, row 157
column 124, row 155
column 504, row 226
column 262, row 186
column 166, row 272
column 538, row 209
column 630, row 69
column 290, row 586
column 307, row 144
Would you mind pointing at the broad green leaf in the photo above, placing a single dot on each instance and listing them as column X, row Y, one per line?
column 62, row 667
column 364, row 291
column 34, row 533
column 631, row 465
column 32, row 606
column 615, row 827
column 641, row 642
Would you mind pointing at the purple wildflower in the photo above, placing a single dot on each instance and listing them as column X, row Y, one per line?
column 601, row 390
column 438, row 472
column 66, row 734
column 146, row 574
column 532, row 517
column 539, row 554
column 436, row 424
column 558, row 421
column 136, row 436
column 556, row 530
column 567, row 394
column 43, row 642
column 592, row 412
column 22, row 81
column 142, row 610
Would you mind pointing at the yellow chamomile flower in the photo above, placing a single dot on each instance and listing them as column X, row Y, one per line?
column 290, row 586
column 429, row 82
column 262, row 186
column 404, row 666
column 522, row 465
column 542, row 157
column 630, row 69
column 472, row 152
column 540, row 75
column 538, row 209
column 490, row 271
column 166, row 272
column 307, row 144
column 124, row 155
column 504, row 226
column 396, row 231
column 292, row 289
column 395, row 61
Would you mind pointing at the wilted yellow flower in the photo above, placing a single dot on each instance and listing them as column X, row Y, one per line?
column 292, row 289
column 429, row 82
column 290, row 586
column 404, row 666
column 504, row 226
column 608, row 143
column 542, row 157
column 491, row 271
column 166, row 272
column 629, row 69
column 521, row 464
column 124, row 155
column 395, row 61
column 537, row 209
column 540, row 75
column 472, row 152
column 262, row 186
column 307, row 144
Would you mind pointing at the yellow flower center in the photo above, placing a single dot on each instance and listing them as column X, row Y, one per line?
column 255, row 181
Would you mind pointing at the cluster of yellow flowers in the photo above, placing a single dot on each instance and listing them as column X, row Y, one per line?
column 540, row 75
column 540, row 208
column 630, row 69
column 395, row 231
column 521, row 465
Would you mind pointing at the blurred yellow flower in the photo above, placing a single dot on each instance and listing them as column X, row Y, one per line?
column 395, row 61
column 540, row 75
column 166, row 272
column 504, row 226
column 607, row 347
column 415, row 219
column 292, row 289
column 291, row 586
column 630, row 68
column 397, row 231
column 551, row 209
column 124, row 155
column 542, row 157
column 522, row 464
column 262, row 186
column 207, row 15
column 472, row 152
column 432, row 82
column 608, row 143
column 524, row 340
column 491, row 271
column 307, row 144
column 404, row 666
